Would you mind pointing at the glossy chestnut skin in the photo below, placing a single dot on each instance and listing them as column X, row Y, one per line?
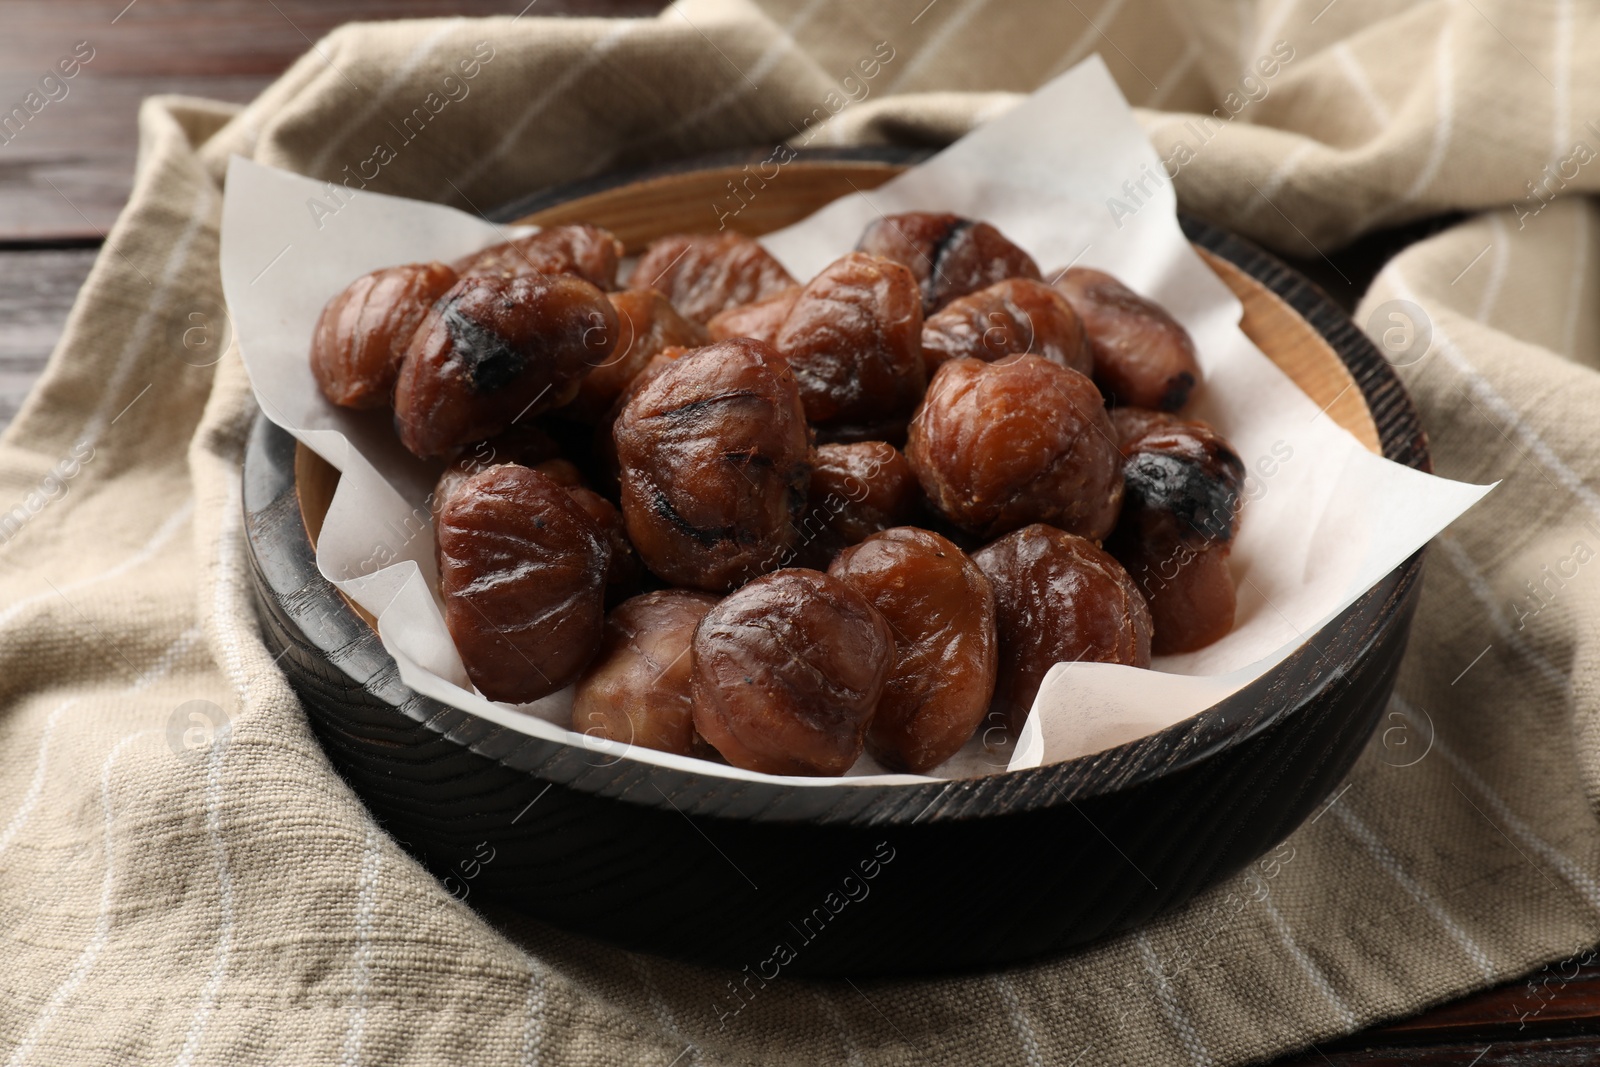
column 704, row 274
column 1058, row 599
column 496, row 350
column 997, row 446
column 524, row 443
column 761, row 320
column 1142, row 356
column 523, row 573
column 647, row 323
column 585, row 251
column 857, row 489
column 1010, row 317
column 605, row 443
column 788, row 671
column 363, row 332
column 854, row 339
column 950, row 256
column 1180, row 513
column 940, row 607
column 715, row 459
column 637, row 689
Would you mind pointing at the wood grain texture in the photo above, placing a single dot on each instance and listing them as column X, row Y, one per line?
column 36, row 293
column 69, row 171
column 699, row 866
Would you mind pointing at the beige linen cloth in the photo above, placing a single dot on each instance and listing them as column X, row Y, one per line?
column 242, row 907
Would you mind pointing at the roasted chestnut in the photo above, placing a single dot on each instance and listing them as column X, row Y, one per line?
column 857, row 490
column 705, row 274
column 647, row 323
column 1010, row 317
column 950, row 256
column 523, row 573
column 788, row 671
column 997, row 446
column 525, row 443
column 940, row 608
column 582, row 250
column 497, row 350
column 854, row 339
column 637, row 689
column 1180, row 513
column 714, row 456
column 1142, row 355
column 1058, row 599
column 362, row 334
column 761, row 320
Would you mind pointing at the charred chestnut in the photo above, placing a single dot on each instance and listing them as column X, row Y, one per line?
column 949, row 255
column 1180, row 514
column 714, row 457
column 1142, row 355
column 496, row 350
column 362, row 334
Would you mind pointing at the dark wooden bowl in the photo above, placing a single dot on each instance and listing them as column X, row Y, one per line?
column 963, row 874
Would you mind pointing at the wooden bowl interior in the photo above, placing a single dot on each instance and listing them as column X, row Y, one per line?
column 640, row 212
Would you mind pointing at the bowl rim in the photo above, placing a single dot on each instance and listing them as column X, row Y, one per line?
column 1232, row 721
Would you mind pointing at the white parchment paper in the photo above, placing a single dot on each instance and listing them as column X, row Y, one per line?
column 1323, row 519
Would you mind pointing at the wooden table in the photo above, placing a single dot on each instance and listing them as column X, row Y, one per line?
column 65, row 177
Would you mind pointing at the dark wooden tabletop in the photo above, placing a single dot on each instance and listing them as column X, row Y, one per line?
column 62, row 182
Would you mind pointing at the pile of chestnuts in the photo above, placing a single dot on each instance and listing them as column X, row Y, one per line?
column 779, row 523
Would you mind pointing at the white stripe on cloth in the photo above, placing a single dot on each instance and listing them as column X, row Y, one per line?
column 1279, row 175
column 1486, row 394
column 663, row 1012
column 1480, row 589
column 936, row 41
column 146, row 552
column 1561, row 88
column 1357, row 76
column 1174, row 75
column 1578, row 282
column 361, row 979
column 741, row 85
column 1575, row 876
column 1268, row 33
column 1386, row 860
column 1444, row 90
column 223, row 952
column 1083, row 44
column 401, row 75
column 1314, row 973
column 155, row 305
column 1171, row 1008
column 1020, row 1025
column 163, row 664
column 533, row 1015
column 1498, row 262
column 102, row 926
column 852, row 1053
column 596, row 55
